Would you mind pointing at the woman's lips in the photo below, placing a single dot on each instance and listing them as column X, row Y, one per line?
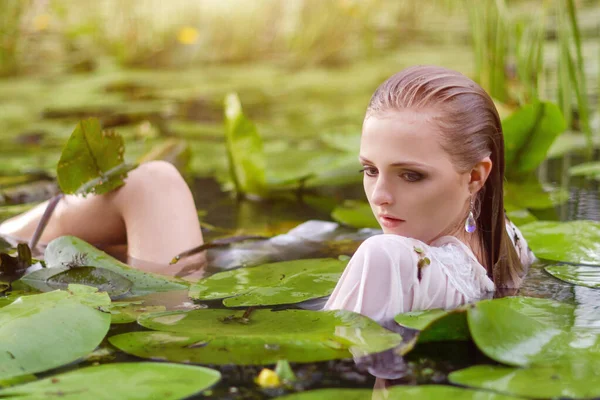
column 390, row 222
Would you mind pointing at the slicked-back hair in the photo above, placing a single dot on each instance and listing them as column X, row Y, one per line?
column 470, row 131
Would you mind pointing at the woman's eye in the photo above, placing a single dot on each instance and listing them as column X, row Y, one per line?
column 369, row 171
column 412, row 176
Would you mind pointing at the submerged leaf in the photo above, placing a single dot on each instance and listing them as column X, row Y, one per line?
column 573, row 241
column 264, row 337
column 48, row 279
column 284, row 282
column 48, row 330
column 92, row 160
column 68, row 250
column 127, row 381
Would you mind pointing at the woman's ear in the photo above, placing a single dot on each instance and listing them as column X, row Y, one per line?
column 479, row 174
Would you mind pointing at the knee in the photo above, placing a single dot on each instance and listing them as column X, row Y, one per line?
column 156, row 176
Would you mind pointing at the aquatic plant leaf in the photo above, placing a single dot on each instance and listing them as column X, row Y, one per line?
column 123, row 312
column 537, row 382
column 13, row 267
column 218, row 336
column 421, row 392
column 576, row 274
column 127, row 381
column 244, row 150
column 573, row 241
column 92, row 160
column 284, row 282
column 357, row 214
column 531, row 195
column 590, row 169
column 524, row 331
column 48, row 279
column 45, row 331
column 69, row 251
column 528, row 134
column 437, row 325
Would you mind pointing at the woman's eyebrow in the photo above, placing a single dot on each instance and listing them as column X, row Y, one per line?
column 396, row 164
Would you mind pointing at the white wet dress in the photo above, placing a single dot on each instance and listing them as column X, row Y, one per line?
column 389, row 275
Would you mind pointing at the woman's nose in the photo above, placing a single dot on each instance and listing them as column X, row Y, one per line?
column 381, row 193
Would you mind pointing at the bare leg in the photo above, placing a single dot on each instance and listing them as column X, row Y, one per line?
column 154, row 213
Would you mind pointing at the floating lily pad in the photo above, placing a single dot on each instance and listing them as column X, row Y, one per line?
column 573, row 241
column 45, row 331
column 356, row 214
column 92, row 160
column 522, row 331
column 262, row 337
column 270, row 284
column 48, row 279
column 519, row 216
column 422, row 392
column 576, row 274
column 437, row 325
column 126, row 381
column 537, row 382
column 69, row 251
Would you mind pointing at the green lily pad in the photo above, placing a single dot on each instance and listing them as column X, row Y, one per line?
column 69, row 251
column 48, row 279
column 523, row 331
column 421, row 392
column 356, row 214
column 284, row 282
column 262, row 337
column 576, row 274
column 244, row 149
column 126, row 381
column 437, row 325
column 45, row 331
column 528, row 134
column 125, row 312
column 537, row 382
column 573, row 241
column 92, row 160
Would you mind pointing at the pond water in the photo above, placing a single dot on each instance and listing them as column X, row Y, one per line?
column 146, row 107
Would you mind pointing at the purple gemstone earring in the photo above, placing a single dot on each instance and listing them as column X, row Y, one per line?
column 470, row 223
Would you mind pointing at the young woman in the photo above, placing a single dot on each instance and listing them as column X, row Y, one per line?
column 433, row 157
column 432, row 152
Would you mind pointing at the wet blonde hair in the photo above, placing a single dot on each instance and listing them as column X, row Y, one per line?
column 471, row 130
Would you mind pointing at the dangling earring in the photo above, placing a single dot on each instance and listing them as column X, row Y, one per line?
column 470, row 224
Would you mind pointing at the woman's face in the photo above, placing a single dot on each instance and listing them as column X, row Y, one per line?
column 410, row 182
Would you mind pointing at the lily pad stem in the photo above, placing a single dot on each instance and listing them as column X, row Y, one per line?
column 44, row 220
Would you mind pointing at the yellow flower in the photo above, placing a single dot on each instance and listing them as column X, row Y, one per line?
column 188, row 35
column 268, row 378
column 41, row 22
